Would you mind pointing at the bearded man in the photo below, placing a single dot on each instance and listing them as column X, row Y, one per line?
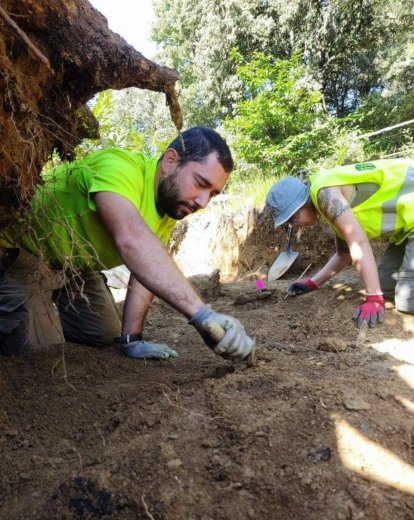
column 110, row 208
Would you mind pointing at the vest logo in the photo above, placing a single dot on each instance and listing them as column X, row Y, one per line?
column 364, row 166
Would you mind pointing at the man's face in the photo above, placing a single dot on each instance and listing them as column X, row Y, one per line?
column 186, row 189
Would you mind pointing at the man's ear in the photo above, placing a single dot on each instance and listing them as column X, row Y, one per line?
column 170, row 160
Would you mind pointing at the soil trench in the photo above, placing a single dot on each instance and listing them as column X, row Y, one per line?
column 318, row 429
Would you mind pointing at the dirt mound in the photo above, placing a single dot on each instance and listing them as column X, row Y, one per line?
column 242, row 242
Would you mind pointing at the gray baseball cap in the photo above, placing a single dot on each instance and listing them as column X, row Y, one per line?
column 285, row 198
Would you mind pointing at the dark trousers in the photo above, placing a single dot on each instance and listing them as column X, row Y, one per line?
column 41, row 307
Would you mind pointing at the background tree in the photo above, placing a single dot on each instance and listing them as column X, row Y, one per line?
column 282, row 124
column 348, row 45
column 307, row 77
column 356, row 61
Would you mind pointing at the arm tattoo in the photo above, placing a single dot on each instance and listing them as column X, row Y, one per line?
column 331, row 207
column 337, row 208
column 323, row 199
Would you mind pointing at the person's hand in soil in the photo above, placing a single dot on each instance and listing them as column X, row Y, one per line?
column 371, row 311
column 301, row 287
column 231, row 342
column 148, row 350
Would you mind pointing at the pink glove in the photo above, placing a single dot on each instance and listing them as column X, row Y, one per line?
column 371, row 311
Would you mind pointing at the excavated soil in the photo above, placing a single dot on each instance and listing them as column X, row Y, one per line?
column 321, row 428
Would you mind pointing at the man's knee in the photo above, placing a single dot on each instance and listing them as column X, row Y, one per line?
column 27, row 318
column 94, row 337
column 29, row 327
column 88, row 316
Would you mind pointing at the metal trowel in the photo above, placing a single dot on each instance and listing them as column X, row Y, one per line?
column 284, row 260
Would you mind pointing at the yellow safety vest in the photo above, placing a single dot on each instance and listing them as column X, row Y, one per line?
column 390, row 210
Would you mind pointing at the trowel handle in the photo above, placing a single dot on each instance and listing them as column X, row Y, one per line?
column 288, row 237
column 217, row 333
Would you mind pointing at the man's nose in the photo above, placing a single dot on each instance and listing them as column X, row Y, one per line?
column 203, row 199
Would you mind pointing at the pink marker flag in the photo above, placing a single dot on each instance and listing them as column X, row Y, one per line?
column 260, row 285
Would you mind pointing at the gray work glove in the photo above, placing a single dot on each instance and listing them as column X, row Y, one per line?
column 147, row 350
column 234, row 343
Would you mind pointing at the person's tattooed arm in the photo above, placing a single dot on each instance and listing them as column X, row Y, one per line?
column 332, row 203
column 352, row 244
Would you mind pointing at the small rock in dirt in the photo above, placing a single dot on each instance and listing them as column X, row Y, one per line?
column 11, row 433
column 174, row 463
column 306, row 480
column 364, row 427
column 167, row 450
column 332, row 345
column 342, row 367
column 382, row 394
column 356, row 404
column 321, row 454
column 249, row 472
column 210, row 443
column 252, row 297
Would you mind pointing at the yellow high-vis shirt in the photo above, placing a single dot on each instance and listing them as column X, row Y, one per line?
column 389, row 211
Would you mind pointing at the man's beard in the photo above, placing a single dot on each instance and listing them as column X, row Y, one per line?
column 168, row 199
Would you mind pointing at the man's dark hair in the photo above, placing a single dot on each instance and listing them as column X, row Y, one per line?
column 199, row 142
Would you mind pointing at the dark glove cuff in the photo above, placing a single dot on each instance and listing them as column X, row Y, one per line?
column 201, row 315
column 127, row 338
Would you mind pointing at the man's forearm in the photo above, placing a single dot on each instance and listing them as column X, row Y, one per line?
column 153, row 267
column 145, row 255
column 137, row 303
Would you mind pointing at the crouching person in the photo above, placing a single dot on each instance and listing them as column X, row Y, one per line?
column 112, row 207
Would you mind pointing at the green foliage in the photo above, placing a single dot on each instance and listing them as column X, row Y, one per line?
column 281, row 125
column 196, row 38
column 307, row 78
column 391, row 105
column 350, row 47
column 132, row 119
column 115, row 129
column 249, row 190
